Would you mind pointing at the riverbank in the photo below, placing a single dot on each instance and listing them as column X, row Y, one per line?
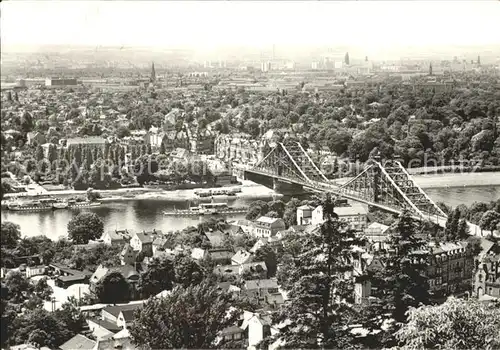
column 451, row 180
column 249, row 190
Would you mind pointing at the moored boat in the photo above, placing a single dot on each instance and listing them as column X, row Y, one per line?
column 83, row 204
column 29, row 206
column 207, row 209
column 60, row 205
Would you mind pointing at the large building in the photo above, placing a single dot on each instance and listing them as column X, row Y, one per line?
column 239, row 148
column 268, row 227
column 450, row 267
column 92, row 141
column 354, row 214
column 60, row 82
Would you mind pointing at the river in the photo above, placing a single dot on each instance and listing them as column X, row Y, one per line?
column 146, row 214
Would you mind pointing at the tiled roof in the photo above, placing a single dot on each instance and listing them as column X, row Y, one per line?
column 145, row 237
column 267, row 220
column 78, row 342
column 256, row 284
column 241, row 257
column 115, row 310
column 86, row 140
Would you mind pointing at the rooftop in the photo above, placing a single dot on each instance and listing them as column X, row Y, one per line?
column 267, row 220
column 78, row 342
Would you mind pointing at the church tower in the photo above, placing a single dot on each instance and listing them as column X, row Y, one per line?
column 153, row 73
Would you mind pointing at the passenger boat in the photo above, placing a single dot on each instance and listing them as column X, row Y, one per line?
column 29, row 206
column 72, row 204
column 60, row 205
column 207, row 209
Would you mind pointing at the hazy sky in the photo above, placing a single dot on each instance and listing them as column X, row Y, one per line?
column 259, row 23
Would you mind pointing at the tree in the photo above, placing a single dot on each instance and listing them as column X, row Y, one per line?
column 256, row 209
column 463, row 229
column 277, row 206
column 42, row 327
column 158, row 277
column 18, row 286
column 489, row 220
column 189, row 318
column 39, row 153
column 71, row 316
column 338, row 141
column 290, row 214
column 26, row 122
column 113, row 289
column 9, row 234
column 267, row 255
column 402, row 283
column 43, row 290
column 6, row 188
column 451, row 230
column 320, row 293
column 456, row 324
column 187, row 271
column 84, row 227
column 122, row 132
column 52, row 154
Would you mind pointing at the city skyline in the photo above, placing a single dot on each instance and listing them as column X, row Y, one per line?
column 375, row 26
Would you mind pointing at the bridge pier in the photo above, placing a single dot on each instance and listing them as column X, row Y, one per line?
column 287, row 188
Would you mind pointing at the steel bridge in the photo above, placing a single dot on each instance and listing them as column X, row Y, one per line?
column 386, row 186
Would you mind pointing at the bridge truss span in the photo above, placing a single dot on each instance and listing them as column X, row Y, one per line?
column 291, row 161
column 388, row 186
column 392, row 186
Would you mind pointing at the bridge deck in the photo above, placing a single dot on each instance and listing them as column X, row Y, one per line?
column 321, row 187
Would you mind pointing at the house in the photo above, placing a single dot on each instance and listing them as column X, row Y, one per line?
column 259, row 244
column 232, row 333
column 199, row 254
column 216, row 238
column 35, row 270
column 112, row 313
column 241, row 257
column 227, row 271
column 257, row 270
column 126, row 317
column 228, row 287
column 127, row 255
column 143, row 241
column 86, row 142
column 101, row 328
column 304, row 214
column 376, row 232
column 268, row 227
column 36, row 138
column 67, row 281
column 487, row 277
column 356, row 215
column 78, row 342
column 28, row 347
column 221, row 255
column 116, row 237
column 259, row 289
column 160, row 244
column 120, row 340
column 259, row 327
column 234, row 230
column 245, row 225
column 451, row 266
column 128, row 272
